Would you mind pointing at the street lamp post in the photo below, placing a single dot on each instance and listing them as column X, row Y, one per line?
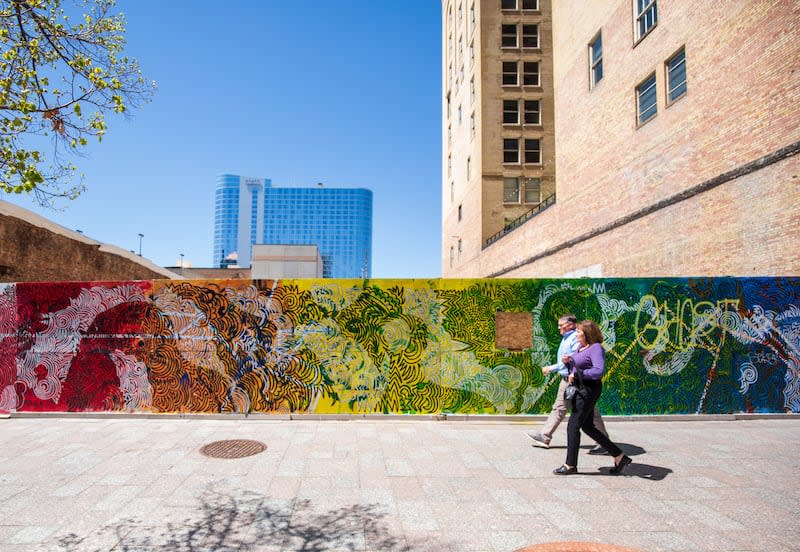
column 181, row 264
column 140, row 243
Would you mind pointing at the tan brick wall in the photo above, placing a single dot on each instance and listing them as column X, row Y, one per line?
column 743, row 103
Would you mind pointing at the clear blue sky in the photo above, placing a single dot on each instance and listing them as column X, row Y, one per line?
column 345, row 92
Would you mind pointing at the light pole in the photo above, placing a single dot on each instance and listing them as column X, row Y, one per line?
column 181, row 254
column 140, row 243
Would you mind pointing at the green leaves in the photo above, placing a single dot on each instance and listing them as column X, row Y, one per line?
column 50, row 70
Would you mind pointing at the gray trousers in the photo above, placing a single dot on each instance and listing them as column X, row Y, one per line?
column 559, row 412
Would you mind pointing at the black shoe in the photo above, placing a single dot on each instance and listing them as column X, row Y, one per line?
column 598, row 450
column 564, row 470
column 618, row 468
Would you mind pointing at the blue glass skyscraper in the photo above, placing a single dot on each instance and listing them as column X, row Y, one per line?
column 337, row 220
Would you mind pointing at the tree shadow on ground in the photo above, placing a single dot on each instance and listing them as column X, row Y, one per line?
column 251, row 521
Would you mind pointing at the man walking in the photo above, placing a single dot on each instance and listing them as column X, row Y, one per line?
column 568, row 346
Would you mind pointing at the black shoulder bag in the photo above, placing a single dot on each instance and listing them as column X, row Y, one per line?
column 572, row 389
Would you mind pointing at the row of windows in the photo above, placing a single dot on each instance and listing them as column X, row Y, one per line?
column 525, row 150
column 530, row 192
column 525, row 5
column 646, row 97
column 510, row 34
column 529, row 109
column 645, row 19
column 529, row 73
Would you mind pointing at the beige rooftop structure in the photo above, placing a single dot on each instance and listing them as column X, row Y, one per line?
column 271, row 262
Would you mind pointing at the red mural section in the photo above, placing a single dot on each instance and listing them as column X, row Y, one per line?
column 78, row 345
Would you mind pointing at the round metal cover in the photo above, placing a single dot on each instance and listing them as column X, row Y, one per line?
column 233, row 448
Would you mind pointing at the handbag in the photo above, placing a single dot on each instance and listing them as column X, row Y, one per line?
column 572, row 389
column 570, row 392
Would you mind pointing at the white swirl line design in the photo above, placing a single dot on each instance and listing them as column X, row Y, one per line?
column 56, row 346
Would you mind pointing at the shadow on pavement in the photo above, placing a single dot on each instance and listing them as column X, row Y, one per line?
column 645, row 471
column 224, row 522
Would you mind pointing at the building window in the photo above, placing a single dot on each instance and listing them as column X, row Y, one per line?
column 472, row 126
column 472, row 90
column 449, row 165
column 449, row 135
column 459, row 247
column 530, row 5
column 530, row 36
column 530, row 73
column 646, row 99
column 452, row 191
column 448, row 106
column 452, row 255
column 510, row 112
column 533, row 190
column 510, row 74
column 596, row 61
column 646, row 17
column 533, row 151
column 510, row 190
column 510, row 150
column 471, row 54
column 459, row 115
column 469, row 168
column 676, row 76
column 508, row 5
column 459, row 213
column 509, row 36
column 533, row 114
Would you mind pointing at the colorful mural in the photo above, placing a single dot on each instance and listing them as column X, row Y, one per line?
column 695, row 345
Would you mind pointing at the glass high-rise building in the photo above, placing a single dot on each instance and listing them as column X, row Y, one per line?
column 337, row 220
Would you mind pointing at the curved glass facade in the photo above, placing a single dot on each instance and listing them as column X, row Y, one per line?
column 337, row 220
column 226, row 217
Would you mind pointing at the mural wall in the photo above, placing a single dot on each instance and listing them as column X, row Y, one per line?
column 703, row 345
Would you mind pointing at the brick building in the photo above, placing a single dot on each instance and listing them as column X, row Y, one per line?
column 677, row 133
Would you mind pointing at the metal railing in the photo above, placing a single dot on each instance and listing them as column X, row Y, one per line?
column 527, row 215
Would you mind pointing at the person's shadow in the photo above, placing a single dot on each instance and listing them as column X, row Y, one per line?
column 635, row 469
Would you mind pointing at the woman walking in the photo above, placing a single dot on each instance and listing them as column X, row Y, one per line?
column 586, row 368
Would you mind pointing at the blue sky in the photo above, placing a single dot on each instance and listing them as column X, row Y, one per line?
column 344, row 92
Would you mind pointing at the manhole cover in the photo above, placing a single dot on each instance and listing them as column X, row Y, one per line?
column 233, row 448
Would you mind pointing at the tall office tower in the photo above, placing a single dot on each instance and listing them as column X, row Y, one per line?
column 497, row 122
column 251, row 211
column 676, row 131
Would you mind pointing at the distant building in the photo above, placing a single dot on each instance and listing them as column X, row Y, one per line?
column 338, row 221
column 676, row 134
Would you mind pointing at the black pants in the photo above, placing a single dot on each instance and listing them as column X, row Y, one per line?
column 582, row 419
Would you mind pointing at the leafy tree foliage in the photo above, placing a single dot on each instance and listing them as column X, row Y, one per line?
column 60, row 74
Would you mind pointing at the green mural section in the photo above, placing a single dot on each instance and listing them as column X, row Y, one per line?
column 694, row 345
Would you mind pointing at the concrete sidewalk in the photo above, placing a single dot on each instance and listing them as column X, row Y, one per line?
column 75, row 484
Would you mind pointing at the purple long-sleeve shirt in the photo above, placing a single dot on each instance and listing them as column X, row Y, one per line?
column 591, row 361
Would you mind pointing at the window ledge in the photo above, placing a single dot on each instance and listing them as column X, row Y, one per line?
column 639, row 40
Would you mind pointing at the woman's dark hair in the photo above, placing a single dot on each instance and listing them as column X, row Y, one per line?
column 591, row 332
